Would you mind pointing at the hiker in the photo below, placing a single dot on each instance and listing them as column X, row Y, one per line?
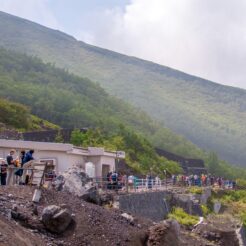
column 187, row 183
column 219, row 180
column 109, row 180
column 174, row 179
column 131, row 182
column 203, row 179
column 22, row 156
column 28, row 156
column 212, row 179
column 135, row 183
column 157, row 181
column 149, row 181
column 114, row 179
column 124, row 180
column 19, row 171
column 11, row 165
column 27, row 164
column 3, row 170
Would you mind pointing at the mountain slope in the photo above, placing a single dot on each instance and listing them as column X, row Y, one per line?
column 70, row 101
column 210, row 115
column 15, row 116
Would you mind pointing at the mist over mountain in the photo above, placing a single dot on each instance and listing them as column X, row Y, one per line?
column 208, row 114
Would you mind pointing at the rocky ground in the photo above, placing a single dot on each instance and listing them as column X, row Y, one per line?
column 91, row 225
column 220, row 229
column 20, row 224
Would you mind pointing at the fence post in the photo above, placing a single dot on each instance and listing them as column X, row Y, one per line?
column 126, row 183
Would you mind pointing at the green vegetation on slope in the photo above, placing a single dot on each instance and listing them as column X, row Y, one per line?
column 222, row 168
column 234, row 202
column 140, row 154
column 70, row 101
column 210, row 115
column 17, row 116
column 182, row 217
column 14, row 114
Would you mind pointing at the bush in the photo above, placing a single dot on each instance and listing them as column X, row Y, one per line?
column 243, row 218
column 195, row 190
column 241, row 183
column 234, row 196
column 205, row 210
column 182, row 217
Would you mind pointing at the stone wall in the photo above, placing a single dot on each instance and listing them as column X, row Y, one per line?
column 152, row 205
column 155, row 205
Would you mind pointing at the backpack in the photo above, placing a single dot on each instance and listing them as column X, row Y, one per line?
column 114, row 177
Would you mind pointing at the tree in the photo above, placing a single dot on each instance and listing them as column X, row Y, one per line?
column 59, row 138
column 77, row 137
column 213, row 163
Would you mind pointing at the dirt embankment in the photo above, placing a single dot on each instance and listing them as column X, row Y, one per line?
column 20, row 224
column 92, row 224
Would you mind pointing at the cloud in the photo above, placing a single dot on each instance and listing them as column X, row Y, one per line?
column 35, row 10
column 204, row 38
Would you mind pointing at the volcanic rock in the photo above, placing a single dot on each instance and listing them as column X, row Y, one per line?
column 56, row 219
column 75, row 181
column 164, row 233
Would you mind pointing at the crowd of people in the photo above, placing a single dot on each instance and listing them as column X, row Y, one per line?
column 118, row 181
column 13, row 169
column 202, row 180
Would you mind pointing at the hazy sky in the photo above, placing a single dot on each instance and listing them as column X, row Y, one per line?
column 201, row 37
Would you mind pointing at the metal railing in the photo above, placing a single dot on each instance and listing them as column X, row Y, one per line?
column 136, row 185
column 143, row 185
column 12, row 178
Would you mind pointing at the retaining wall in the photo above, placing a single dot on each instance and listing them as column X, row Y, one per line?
column 152, row 205
column 155, row 205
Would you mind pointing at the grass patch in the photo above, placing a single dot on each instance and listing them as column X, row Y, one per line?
column 243, row 218
column 195, row 190
column 234, row 202
column 241, row 183
column 182, row 217
column 234, row 196
column 205, row 210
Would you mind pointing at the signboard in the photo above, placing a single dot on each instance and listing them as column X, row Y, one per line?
column 120, row 154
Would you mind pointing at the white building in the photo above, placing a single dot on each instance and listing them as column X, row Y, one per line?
column 95, row 161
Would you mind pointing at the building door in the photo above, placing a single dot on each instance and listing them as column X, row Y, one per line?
column 105, row 170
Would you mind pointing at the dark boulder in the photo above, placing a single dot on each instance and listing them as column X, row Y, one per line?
column 56, row 219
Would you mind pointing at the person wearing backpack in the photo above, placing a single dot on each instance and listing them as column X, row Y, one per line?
column 19, row 171
column 27, row 164
column 114, row 178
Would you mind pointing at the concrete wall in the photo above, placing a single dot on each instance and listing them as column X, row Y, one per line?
column 155, row 205
column 108, row 160
column 152, row 205
column 99, row 161
column 64, row 159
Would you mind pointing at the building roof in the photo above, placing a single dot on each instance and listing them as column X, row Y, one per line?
column 20, row 144
column 69, row 148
